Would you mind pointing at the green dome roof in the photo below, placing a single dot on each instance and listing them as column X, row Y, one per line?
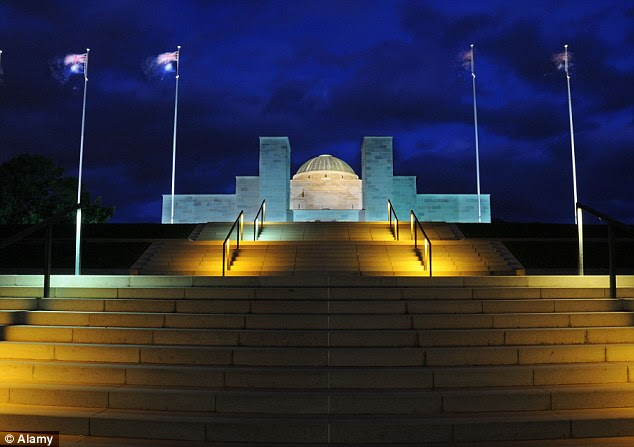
column 325, row 163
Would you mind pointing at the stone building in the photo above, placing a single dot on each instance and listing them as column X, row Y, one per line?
column 326, row 188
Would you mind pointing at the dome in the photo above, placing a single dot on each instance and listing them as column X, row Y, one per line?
column 326, row 163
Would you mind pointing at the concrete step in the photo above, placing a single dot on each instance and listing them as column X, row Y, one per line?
column 319, row 356
column 318, row 338
column 255, row 428
column 271, row 377
column 320, row 402
column 341, row 285
column 84, row 441
column 320, row 321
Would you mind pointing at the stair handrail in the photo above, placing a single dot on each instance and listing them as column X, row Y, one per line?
column 390, row 212
column 226, row 245
column 257, row 226
column 48, row 242
column 415, row 225
column 612, row 222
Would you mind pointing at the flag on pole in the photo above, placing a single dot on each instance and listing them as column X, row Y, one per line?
column 168, row 60
column 466, row 59
column 76, row 63
column 563, row 60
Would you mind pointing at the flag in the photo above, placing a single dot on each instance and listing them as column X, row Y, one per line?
column 560, row 60
column 76, row 62
column 465, row 59
column 167, row 60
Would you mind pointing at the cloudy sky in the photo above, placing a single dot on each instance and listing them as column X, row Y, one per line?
column 326, row 73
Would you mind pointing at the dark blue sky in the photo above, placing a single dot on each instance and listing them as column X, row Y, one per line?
column 326, row 73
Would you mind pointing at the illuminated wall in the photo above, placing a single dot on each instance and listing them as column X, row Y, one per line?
column 333, row 199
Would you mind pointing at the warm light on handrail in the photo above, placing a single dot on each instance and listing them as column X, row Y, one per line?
column 415, row 225
column 226, row 245
column 390, row 212
column 258, row 225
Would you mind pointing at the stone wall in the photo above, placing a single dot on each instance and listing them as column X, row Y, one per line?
column 247, row 196
column 452, row 207
column 377, row 185
column 275, row 176
column 199, row 208
column 377, row 176
column 403, row 196
column 325, row 193
column 327, row 215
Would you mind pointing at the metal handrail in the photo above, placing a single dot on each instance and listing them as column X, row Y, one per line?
column 257, row 226
column 415, row 225
column 48, row 242
column 226, row 245
column 612, row 222
column 390, row 211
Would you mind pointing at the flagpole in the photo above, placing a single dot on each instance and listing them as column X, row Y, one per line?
column 475, row 122
column 578, row 212
column 81, row 162
column 178, row 65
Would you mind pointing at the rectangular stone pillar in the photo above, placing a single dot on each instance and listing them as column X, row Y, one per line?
column 247, row 195
column 377, row 175
column 275, row 177
column 404, row 195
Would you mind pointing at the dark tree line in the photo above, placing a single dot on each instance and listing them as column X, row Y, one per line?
column 34, row 188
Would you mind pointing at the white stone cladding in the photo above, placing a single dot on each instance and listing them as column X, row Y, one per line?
column 325, row 190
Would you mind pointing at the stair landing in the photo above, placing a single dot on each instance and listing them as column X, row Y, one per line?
column 368, row 249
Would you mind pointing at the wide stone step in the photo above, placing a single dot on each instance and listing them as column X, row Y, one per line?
column 320, row 402
column 350, row 286
column 319, row 338
column 90, row 441
column 311, row 306
column 255, row 428
column 319, row 356
column 320, row 321
column 271, row 377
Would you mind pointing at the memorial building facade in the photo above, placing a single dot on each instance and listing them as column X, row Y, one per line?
column 325, row 188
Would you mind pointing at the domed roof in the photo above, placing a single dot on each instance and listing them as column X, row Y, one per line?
column 325, row 163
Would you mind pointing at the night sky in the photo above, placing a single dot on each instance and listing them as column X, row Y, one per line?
column 325, row 74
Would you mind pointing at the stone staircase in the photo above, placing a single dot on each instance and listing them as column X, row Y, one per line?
column 358, row 248
column 318, row 360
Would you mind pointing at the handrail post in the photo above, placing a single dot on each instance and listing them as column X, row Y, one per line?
column 580, row 234
column 238, row 225
column 224, row 254
column 430, row 263
column 47, row 225
column 241, row 230
column 257, row 226
column 612, row 222
column 390, row 211
column 612, row 255
column 427, row 262
column 48, row 247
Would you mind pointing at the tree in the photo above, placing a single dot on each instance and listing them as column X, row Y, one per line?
column 33, row 188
